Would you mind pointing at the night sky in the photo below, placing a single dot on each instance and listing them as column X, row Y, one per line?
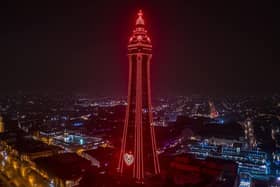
column 202, row 47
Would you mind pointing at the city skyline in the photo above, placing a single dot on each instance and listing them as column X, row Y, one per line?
column 211, row 49
column 136, row 93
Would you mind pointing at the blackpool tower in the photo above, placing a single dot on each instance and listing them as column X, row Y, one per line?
column 138, row 155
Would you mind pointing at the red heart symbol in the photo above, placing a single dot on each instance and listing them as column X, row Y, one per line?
column 128, row 159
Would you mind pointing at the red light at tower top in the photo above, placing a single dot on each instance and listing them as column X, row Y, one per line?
column 138, row 159
column 140, row 20
column 140, row 33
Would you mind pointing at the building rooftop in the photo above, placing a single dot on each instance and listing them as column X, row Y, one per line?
column 26, row 144
column 66, row 166
column 186, row 170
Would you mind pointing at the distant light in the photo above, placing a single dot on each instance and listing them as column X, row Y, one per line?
column 67, row 139
column 63, row 117
column 278, row 178
column 78, row 124
column 245, row 183
column 81, row 141
column 263, row 166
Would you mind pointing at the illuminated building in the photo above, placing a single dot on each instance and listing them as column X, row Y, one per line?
column 138, row 156
column 213, row 112
column 2, row 127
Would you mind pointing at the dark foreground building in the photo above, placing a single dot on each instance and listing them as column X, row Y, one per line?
column 185, row 170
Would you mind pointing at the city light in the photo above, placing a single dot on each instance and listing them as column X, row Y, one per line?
column 205, row 112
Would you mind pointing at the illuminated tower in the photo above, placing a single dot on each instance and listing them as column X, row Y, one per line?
column 213, row 112
column 138, row 155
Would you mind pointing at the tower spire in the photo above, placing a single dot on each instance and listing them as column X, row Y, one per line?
column 140, row 20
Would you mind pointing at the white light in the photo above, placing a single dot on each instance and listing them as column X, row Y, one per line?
column 128, row 158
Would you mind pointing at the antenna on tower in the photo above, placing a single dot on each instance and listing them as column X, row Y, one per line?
column 140, row 20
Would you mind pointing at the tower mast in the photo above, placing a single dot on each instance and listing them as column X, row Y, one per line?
column 138, row 158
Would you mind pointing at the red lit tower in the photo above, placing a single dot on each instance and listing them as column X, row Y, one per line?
column 138, row 155
column 213, row 112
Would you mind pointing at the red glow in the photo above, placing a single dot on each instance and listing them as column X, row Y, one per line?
column 140, row 20
column 213, row 112
column 139, row 99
